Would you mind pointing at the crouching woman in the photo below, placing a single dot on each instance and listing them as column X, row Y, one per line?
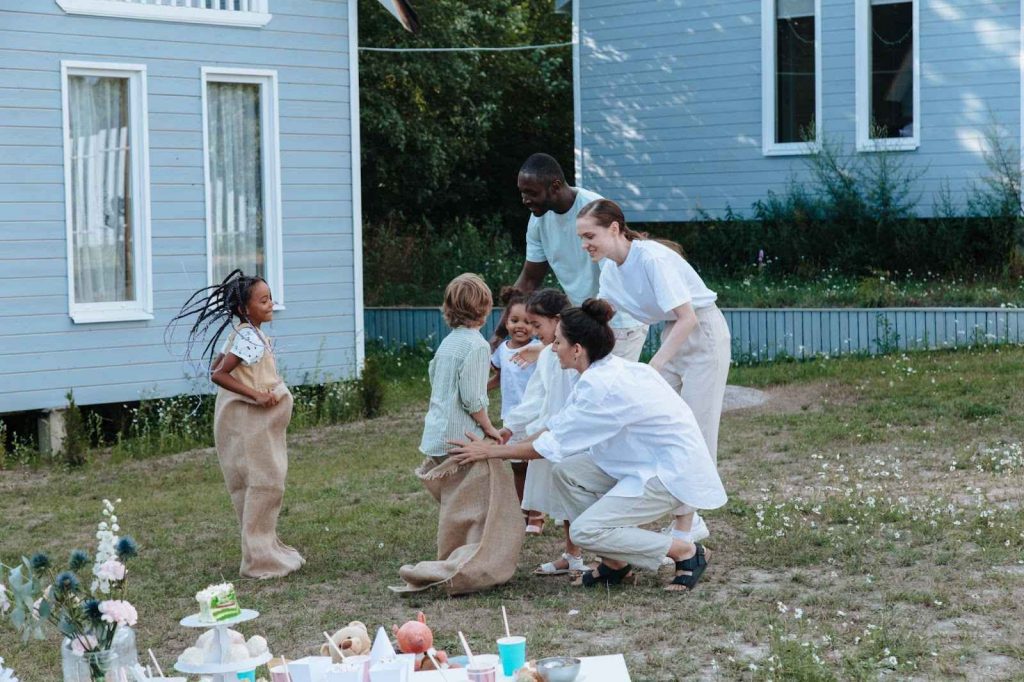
column 642, row 456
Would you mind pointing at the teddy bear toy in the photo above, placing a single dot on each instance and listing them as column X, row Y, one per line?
column 353, row 639
column 414, row 637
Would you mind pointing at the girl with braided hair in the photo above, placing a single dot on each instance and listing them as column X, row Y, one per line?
column 251, row 416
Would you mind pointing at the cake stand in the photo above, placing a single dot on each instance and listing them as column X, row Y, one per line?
column 222, row 671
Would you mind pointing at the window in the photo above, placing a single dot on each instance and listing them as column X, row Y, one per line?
column 242, row 185
column 246, row 13
column 106, row 186
column 888, row 78
column 791, row 75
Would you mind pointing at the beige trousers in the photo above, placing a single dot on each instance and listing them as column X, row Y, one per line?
column 606, row 524
column 700, row 370
column 629, row 342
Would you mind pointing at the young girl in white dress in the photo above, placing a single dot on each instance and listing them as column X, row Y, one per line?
column 546, row 394
column 654, row 283
column 513, row 376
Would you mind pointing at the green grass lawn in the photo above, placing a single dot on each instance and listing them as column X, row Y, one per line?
column 874, row 529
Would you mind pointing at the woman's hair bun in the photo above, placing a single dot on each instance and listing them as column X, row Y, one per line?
column 510, row 296
column 600, row 310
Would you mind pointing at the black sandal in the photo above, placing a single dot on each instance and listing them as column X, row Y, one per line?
column 695, row 566
column 606, row 575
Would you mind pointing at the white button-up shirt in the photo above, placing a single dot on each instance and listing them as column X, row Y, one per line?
column 636, row 427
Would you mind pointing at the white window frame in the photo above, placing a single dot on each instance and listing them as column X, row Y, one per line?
column 863, row 83
column 142, row 307
column 255, row 17
column 271, row 148
column 768, row 80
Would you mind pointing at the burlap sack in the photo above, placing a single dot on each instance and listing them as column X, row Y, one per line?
column 253, row 457
column 479, row 529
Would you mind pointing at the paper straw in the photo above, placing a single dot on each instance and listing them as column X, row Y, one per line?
column 334, row 646
column 153, row 658
column 465, row 645
column 437, row 666
column 149, row 672
column 504, row 617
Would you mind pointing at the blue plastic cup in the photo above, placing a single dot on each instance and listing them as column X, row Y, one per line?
column 247, row 676
column 513, row 654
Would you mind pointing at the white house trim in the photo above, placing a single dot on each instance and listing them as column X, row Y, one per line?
column 271, row 147
column 357, row 183
column 142, row 307
column 132, row 9
column 577, row 103
column 863, row 83
column 768, row 72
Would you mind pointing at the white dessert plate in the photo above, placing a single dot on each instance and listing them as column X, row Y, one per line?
column 215, row 668
column 196, row 621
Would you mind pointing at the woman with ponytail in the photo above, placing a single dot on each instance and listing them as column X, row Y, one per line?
column 251, row 414
column 650, row 280
column 626, row 451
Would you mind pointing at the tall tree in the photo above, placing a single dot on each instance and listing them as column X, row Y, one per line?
column 444, row 133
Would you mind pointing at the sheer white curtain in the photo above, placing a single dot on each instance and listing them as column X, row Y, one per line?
column 101, row 189
column 236, row 178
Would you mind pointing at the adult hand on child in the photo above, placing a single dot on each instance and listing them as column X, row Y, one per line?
column 473, row 449
column 493, row 434
column 504, row 436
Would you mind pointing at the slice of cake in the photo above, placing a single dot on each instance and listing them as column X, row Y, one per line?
column 218, row 603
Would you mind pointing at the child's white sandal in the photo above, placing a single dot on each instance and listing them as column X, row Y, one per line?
column 575, row 565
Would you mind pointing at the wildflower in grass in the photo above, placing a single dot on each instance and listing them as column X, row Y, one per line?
column 126, row 548
column 112, row 570
column 39, row 562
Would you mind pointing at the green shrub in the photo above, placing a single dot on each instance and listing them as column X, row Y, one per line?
column 76, row 440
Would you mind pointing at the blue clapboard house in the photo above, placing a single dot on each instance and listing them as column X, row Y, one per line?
column 149, row 147
column 689, row 105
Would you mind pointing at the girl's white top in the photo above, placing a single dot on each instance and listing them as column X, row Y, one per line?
column 513, row 377
column 546, row 394
column 248, row 345
column 652, row 282
column 636, row 427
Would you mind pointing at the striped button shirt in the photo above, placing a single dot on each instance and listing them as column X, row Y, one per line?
column 458, row 387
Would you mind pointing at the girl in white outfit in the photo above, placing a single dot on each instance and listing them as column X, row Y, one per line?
column 654, row 283
column 546, row 394
column 626, row 449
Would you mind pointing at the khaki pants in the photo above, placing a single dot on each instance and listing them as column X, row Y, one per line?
column 607, row 525
column 629, row 342
column 700, row 370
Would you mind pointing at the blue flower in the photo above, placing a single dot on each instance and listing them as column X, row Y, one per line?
column 39, row 562
column 126, row 548
column 78, row 561
column 66, row 583
column 91, row 609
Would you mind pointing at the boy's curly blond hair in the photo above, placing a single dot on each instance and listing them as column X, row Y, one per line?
column 467, row 301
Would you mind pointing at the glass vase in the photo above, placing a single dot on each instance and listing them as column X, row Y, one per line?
column 125, row 668
column 101, row 666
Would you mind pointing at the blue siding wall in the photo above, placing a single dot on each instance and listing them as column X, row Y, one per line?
column 671, row 99
column 42, row 352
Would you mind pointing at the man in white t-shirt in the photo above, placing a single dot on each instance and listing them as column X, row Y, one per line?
column 552, row 244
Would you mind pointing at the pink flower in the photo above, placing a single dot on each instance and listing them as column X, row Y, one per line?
column 83, row 643
column 111, row 570
column 118, row 611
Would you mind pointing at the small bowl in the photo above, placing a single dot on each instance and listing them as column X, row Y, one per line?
column 558, row 668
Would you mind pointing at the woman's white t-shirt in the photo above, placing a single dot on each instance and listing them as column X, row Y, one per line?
column 513, row 377
column 652, row 282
